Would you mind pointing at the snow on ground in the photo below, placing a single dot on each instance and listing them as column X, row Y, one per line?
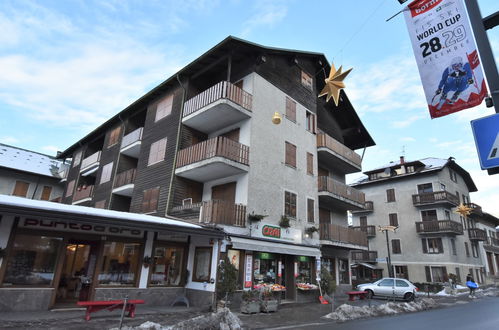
column 348, row 312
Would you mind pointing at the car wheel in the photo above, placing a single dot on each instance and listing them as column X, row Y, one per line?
column 409, row 296
column 370, row 294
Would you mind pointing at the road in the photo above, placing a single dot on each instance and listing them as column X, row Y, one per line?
column 480, row 314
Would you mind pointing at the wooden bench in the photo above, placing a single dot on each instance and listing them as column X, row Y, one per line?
column 353, row 294
column 110, row 305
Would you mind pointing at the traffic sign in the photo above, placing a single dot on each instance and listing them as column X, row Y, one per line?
column 486, row 133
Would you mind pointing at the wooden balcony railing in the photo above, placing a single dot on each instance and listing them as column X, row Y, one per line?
column 477, row 234
column 492, row 241
column 364, row 256
column 326, row 141
column 222, row 90
column 223, row 212
column 217, row 146
column 132, row 137
column 439, row 226
column 83, row 192
column 435, row 197
column 332, row 232
column 475, row 209
column 369, row 230
column 326, row 184
column 368, row 207
column 90, row 160
column 124, row 178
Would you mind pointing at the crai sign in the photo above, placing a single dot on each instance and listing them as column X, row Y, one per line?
column 267, row 230
column 271, row 231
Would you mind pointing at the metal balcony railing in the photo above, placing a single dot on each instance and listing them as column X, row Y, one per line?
column 332, row 232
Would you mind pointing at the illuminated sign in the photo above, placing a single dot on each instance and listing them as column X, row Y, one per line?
column 271, row 231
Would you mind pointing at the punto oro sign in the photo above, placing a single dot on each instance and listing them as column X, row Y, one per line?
column 268, row 230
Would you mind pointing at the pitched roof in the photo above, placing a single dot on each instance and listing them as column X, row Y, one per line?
column 29, row 161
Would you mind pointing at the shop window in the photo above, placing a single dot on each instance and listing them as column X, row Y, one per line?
column 166, row 269
column 114, row 136
column 290, row 157
column 21, row 189
column 47, row 190
column 121, row 264
column 202, row 265
column 32, row 260
column 289, row 204
column 164, row 108
column 390, row 195
column 290, row 109
column 265, row 268
column 157, row 152
column 304, row 269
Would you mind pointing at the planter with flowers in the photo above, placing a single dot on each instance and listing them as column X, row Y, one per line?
column 269, row 303
column 250, row 303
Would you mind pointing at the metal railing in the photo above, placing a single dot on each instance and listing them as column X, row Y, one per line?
column 332, row 232
column 125, row 178
column 90, row 160
column 327, row 184
column 326, row 141
column 477, row 234
column 217, row 146
column 369, row 256
column 223, row 212
column 83, row 192
column 369, row 230
column 435, row 197
column 132, row 137
column 222, row 90
column 439, row 226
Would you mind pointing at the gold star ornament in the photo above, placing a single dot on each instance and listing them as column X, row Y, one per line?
column 463, row 210
column 334, row 83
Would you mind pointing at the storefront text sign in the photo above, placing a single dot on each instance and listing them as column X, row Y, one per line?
column 279, row 268
column 248, row 270
column 69, row 226
column 271, row 231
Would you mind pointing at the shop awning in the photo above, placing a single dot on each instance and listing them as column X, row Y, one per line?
column 274, row 247
column 365, row 265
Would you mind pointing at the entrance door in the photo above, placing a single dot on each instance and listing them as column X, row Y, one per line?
column 77, row 273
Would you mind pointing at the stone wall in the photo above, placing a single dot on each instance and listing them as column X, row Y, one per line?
column 152, row 296
column 25, row 300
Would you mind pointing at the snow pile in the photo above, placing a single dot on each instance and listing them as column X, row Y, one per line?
column 348, row 312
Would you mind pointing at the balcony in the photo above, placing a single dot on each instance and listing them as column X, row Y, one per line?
column 438, row 197
column 214, row 212
column 63, row 173
column 124, row 182
column 476, row 210
column 368, row 207
column 369, row 230
column 90, row 164
column 342, row 235
column 364, row 256
column 83, row 194
column 217, row 107
column 439, row 227
column 492, row 242
column 476, row 234
column 130, row 144
column 334, row 194
column 336, row 155
column 212, row 159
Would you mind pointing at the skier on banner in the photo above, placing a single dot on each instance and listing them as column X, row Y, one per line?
column 457, row 77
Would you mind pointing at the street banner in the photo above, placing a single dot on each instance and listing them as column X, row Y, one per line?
column 446, row 55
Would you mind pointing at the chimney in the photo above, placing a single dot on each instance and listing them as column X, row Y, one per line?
column 402, row 160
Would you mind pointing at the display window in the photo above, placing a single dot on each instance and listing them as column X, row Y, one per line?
column 202, row 264
column 32, row 261
column 166, row 268
column 305, row 270
column 265, row 268
column 344, row 271
column 120, row 264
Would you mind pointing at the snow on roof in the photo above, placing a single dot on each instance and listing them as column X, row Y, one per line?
column 28, row 161
column 90, row 211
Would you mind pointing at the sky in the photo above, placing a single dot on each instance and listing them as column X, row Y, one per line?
column 68, row 66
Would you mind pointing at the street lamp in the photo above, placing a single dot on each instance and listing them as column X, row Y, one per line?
column 385, row 229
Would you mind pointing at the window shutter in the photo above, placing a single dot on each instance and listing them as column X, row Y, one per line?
column 310, row 210
column 467, row 249
column 290, row 109
column 440, row 245
column 444, row 271
column 393, row 219
column 153, row 203
column 425, row 248
column 428, row 273
column 310, row 163
column 21, row 189
column 46, row 193
column 363, row 221
column 290, row 154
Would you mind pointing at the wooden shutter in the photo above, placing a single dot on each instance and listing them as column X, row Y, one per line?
column 150, row 200
column 393, row 219
column 310, row 163
column 363, row 221
column 232, row 135
column 396, row 246
column 164, row 108
column 440, row 245
column 290, row 154
column 444, row 271
column 428, row 273
column 46, row 193
column 310, row 210
column 70, row 187
column 425, row 247
column 324, row 216
column 114, row 136
column 225, row 192
column 467, row 249
column 157, row 151
column 21, row 189
column 390, row 195
column 290, row 109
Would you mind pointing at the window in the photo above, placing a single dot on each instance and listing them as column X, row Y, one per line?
column 290, row 109
column 166, row 268
column 106, row 173
column 432, row 245
column 429, row 215
column 202, row 265
column 425, row 188
column 310, row 122
column 290, row 154
column 310, row 163
column 442, row 187
column 396, row 246
column 474, row 249
column 457, row 195
column 289, row 204
column 458, row 274
column 436, row 274
column 114, row 136
column 467, row 249
column 393, row 219
column 47, row 190
column 453, row 175
column 70, row 187
column 401, row 272
column 344, row 271
column 463, row 222
column 410, row 169
column 150, row 200
column 447, row 214
column 363, row 221
column 306, row 80
column 77, row 159
column 386, row 282
column 120, row 265
column 310, row 210
column 32, row 261
column 21, row 189
column 465, row 199
column 401, row 283
column 390, row 195
column 453, row 246
column 157, row 151
column 164, row 108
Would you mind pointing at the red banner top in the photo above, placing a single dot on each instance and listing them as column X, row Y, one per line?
column 418, row 7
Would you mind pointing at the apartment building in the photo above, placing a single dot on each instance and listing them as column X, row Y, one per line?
column 202, row 147
column 431, row 241
column 30, row 174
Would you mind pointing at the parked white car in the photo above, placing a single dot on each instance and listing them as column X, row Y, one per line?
column 390, row 287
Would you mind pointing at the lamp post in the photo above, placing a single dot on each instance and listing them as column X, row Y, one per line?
column 385, row 229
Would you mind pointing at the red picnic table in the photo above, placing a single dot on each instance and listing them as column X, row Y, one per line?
column 110, row 305
column 353, row 294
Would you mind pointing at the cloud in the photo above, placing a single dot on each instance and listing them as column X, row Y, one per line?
column 266, row 13
column 9, row 140
column 408, row 121
column 408, row 139
column 51, row 150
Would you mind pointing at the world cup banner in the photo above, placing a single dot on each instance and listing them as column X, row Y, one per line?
column 446, row 55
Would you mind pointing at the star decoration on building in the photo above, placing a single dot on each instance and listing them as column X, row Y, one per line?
column 463, row 210
column 334, row 83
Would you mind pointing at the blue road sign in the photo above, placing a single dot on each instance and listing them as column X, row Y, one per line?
column 486, row 133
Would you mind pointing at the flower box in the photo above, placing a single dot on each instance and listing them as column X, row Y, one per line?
column 250, row 307
column 269, row 306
